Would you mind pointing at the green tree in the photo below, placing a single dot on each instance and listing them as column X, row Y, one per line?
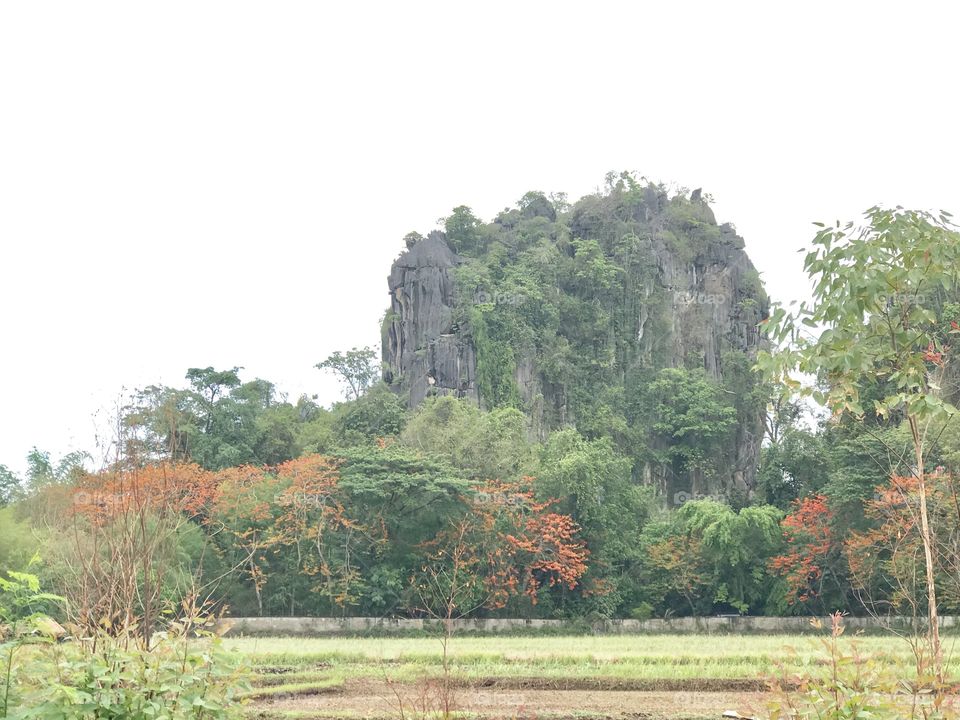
column 710, row 556
column 404, row 498
column 594, row 485
column 357, row 369
column 690, row 418
column 463, row 230
column 209, row 386
column 43, row 470
column 878, row 298
column 218, row 422
column 378, row 413
column 10, row 486
column 483, row 445
column 156, row 421
column 797, row 464
column 737, row 545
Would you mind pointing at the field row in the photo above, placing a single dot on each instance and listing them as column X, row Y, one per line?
column 500, row 676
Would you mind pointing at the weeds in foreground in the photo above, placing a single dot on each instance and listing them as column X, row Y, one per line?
column 181, row 673
column 852, row 685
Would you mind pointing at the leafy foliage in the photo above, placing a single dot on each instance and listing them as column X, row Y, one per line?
column 357, row 369
column 110, row 675
column 690, row 419
column 878, row 298
column 10, row 486
column 479, row 444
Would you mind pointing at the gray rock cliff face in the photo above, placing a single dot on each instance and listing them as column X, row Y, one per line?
column 715, row 310
column 423, row 350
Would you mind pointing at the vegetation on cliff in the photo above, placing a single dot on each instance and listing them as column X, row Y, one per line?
column 630, row 315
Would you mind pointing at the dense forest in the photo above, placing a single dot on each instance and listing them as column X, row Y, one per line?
column 610, row 443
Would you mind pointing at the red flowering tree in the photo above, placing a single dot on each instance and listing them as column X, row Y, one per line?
column 811, row 549
column 510, row 544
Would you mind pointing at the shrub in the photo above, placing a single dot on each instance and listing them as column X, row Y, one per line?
column 183, row 672
column 178, row 678
column 851, row 685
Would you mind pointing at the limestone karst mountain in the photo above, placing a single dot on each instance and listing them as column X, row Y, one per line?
column 572, row 314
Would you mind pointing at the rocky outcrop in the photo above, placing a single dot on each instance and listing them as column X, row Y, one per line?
column 716, row 305
column 423, row 350
column 690, row 297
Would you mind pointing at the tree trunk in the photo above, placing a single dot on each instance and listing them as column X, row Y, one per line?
column 933, row 619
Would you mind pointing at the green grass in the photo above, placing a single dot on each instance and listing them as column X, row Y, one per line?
column 288, row 668
column 309, row 684
column 581, row 658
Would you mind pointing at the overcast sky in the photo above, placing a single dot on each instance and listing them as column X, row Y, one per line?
column 199, row 183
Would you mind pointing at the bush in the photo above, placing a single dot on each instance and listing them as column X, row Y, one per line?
column 178, row 678
column 848, row 684
column 183, row 672
column 17, row 540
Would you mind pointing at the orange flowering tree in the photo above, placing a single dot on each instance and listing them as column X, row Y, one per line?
column 679, row 560
column 161, row 488
column 315, row 523
column 509, row 544
column 288, row 526
column 886, row 561
column 809, row 537
column 120, row 566
column 241, row 520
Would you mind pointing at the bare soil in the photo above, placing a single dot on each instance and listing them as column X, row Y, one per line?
column 511, row 699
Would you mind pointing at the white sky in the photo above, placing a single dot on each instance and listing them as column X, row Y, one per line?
column 226, row 183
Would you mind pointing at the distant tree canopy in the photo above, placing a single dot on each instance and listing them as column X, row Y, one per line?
column 218, row 421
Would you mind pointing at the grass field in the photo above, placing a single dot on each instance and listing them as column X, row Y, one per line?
column 656, row 676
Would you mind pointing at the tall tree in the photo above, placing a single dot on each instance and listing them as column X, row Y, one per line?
column 357, row 369
column 209, row 385
column 878, row 296
column 43, row 470
column 463, row 230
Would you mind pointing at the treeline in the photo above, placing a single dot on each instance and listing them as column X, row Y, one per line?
column 293, row 509
column 367, row 508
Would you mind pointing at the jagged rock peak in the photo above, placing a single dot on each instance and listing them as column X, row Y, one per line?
column 422, row 353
